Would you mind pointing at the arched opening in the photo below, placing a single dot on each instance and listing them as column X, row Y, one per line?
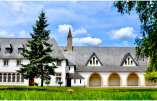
column 18, row 78
column 5, row 77
column 132, row 80
column 9, row 77
column 13, row 78
column 95, row 80
column 22, row 78
column 114, row 80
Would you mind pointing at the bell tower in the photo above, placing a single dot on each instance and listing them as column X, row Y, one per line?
column 69, row 41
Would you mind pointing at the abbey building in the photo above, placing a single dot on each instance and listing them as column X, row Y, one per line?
column 81, row 66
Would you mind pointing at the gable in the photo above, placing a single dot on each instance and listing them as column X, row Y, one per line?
column 94, row 61
column 128, row 60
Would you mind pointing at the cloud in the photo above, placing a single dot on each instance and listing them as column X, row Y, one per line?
column 125, row 43
column 87, row 41
column 5, row 34
column 64, row 29
column 23, row 34
column 122, row 34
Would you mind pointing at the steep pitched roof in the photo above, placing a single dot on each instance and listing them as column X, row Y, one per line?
column 91, row 58
column 110, row 57
column 125, row 56
column 16, row 42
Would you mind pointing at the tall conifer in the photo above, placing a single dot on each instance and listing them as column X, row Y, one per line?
column 38, row 54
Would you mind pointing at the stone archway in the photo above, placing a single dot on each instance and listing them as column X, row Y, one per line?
column 95, row 80
column 114, row 80
column 132, row 80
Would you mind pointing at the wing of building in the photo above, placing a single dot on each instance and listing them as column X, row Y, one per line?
column 82, row 66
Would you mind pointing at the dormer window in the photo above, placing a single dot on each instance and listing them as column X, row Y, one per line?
column 20, row 50
column 128, row 61
column 94, row 61
column 8, row 51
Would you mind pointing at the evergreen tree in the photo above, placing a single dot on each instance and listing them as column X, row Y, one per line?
column 147, row 46
column 39, row 53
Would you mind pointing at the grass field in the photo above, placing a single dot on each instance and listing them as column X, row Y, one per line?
column 79, row 88
column 81, row 94
column 92, row 95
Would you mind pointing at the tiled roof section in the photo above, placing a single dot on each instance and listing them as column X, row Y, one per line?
column 16, row 42
column 70, row 63
column 74, row 76
column 111, row 58
column 110, row 68
column 125, row 56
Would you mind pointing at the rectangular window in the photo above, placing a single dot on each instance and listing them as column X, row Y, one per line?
column 58, row 63
column 58, row 79
column 20, row 50
column 8, row 51
column 5, row 63
column 69, row 67
column 74, row 81
column 18, row 63
column 80, row 81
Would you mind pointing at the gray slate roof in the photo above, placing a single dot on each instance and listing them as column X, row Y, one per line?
column 74, row 76
column 18, row 42
column 111, row 58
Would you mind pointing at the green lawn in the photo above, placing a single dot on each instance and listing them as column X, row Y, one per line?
column 79, row 88
column 91, row 95
column 81, row 94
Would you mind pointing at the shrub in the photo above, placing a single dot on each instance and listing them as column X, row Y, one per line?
column 47, row 82
column 35, row 83
column 60, row 83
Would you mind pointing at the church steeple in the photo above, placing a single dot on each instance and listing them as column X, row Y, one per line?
column 69, row 34
column 69, row 41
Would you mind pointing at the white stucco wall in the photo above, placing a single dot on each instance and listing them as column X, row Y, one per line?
column 77, row 83
column 61, row 69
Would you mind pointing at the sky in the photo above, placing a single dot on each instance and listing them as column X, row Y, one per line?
column 93, row 23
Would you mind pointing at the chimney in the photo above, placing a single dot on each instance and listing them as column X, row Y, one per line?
column 69, row 41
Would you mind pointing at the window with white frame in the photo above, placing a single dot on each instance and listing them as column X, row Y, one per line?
column 74, row 80
column 18, row 63
column 58, row 77
column 5, row 62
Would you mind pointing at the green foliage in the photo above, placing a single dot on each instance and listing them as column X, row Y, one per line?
column 60, row 83
column 35, row 83
column 38, row 52
column 147, row 46
column 47, row 82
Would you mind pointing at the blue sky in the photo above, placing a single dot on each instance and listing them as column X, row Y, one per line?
column 93, row 23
